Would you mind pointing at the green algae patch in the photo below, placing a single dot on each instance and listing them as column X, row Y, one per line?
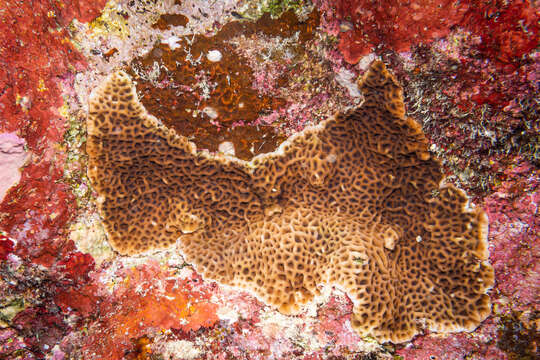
column 76, row 160
column 9, row 310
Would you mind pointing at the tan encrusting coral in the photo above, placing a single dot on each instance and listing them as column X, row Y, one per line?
column 355, row 202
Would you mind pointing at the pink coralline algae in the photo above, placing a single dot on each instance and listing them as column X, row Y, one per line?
column 514, row 228
column 332, row 326
column 478, row 346
column 12, row 158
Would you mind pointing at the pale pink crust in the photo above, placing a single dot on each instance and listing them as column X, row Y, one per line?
column 355, row 201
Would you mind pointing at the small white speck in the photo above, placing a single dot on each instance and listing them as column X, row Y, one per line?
column 214, row 55
column 172, row 42
column 363, row 64
column 227, row 147
column 345, row 26
column 210, row 112
column 418, row 238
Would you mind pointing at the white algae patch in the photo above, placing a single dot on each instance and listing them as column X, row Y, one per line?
column 178, row 349
column 89, row 236
column 347, row 79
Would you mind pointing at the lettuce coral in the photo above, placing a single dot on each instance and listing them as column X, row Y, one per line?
column 355, row 201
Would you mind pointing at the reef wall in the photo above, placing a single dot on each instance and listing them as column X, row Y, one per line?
column 470, row 78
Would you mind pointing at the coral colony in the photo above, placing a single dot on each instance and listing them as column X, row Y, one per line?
column 316, row 211
column 269, row 179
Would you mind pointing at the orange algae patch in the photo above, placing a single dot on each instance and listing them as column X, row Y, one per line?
column 148, row 300
column 142, row 349
column 107, row 55
column 214, row 101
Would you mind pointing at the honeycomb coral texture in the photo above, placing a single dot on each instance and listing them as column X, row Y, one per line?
column 355, row 202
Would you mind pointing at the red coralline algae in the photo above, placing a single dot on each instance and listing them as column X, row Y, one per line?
column 41, row 328
column 81, row 299
column 30, row 68
column 365, row 25
column 76, row 266
column 35, row 53
column 6, row 247
column 28, row 308
column 145, row 301
column 508, row 30
column 38, row 208
column 479, row 81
